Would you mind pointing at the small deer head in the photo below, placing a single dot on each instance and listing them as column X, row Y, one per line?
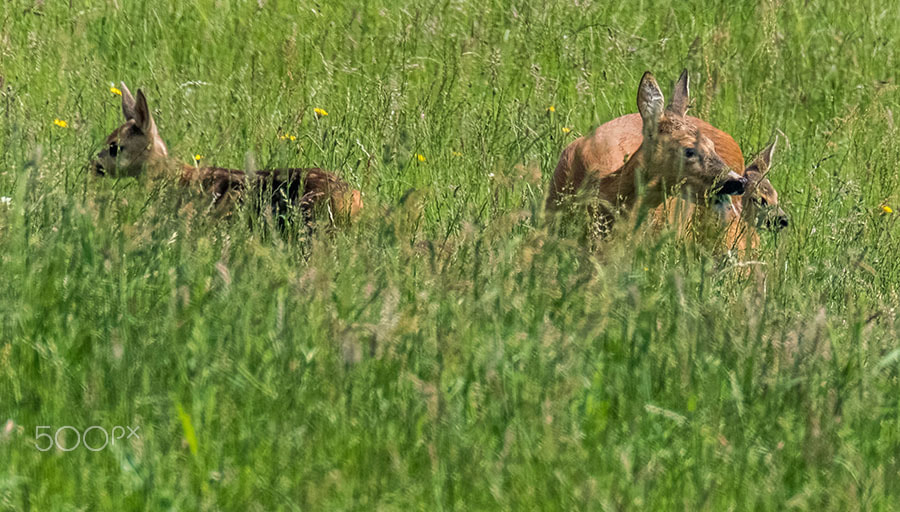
column 760, row 200
column 676, row 152
column 131, row 147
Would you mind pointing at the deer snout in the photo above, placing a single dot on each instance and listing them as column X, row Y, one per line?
column 778, row 221
column 98, row 168
column 732, row 185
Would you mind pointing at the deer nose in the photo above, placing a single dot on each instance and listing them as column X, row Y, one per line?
column 98, row 168
column 733, row 185
column 778, row 221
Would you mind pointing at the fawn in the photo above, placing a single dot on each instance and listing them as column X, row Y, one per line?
column 758, row 208
column 135, row 148
column 671, row 152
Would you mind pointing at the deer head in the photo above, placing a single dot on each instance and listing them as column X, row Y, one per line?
column 135, row 144
column 760, row 200
column 675, row 152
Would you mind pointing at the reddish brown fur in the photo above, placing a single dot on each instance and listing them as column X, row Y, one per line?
column 757, row 207
column 626, row 132
column 610, row 158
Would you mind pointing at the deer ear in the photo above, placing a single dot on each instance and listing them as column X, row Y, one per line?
column 680, row 95
column 142, row 117
column 650, row 104
column 764, row 159
column 127, row 103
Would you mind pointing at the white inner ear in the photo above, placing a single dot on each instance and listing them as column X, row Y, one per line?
column 653, row 102
column 651, row 109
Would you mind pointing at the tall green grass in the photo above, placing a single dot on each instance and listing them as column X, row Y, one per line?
column 446, row 351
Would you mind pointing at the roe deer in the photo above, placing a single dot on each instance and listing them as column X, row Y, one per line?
column 670, row 151
column 758, row 206
column 135, row 147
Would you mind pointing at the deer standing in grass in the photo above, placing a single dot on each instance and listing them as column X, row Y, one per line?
column 671, row 153
column 135, row 148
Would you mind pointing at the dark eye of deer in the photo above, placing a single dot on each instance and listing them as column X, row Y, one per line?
column 113, row 150
column 689, row 153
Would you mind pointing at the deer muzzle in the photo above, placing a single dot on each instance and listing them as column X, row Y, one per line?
column 732, row 185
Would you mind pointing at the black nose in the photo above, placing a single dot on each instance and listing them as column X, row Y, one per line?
column 98, row 169
column 732, row 187
column 777, row 223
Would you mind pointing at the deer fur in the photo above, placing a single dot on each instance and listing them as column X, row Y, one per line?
column 135, row 148
column 671, row 153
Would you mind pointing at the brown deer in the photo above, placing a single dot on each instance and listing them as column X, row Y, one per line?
column 671, row 152
column 135, row 148
column 757, row 206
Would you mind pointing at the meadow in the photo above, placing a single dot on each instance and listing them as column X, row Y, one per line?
column 446, row 351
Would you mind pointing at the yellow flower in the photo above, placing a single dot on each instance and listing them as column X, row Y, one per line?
column 60, row 123
column 320, row 112
column 456, row 153
column 566, row 129
column 421, row 158
column 551, row 108
column 288, row 136
column 115, row 91
column 198, row 157
column 887, row 209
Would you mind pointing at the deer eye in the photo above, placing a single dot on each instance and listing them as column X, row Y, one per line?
column 113, row 149
column 690, row 152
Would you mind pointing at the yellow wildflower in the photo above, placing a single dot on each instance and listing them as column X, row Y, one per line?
column 566, row 129
column 198, row 157
column 288, row 136
column 115, row 91
column 887, row 209
column 456, row 153
column 60, row 123
column 421, row 158
column 551, row 108
column 320, row 112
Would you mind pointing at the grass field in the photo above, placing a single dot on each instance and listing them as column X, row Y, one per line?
column 446, row 352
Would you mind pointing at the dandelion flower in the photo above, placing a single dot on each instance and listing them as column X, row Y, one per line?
column 115, row 91
column 566, row 129
column 198, row 157
column 60, row 123
column 288, row 136
column 887, row 209
column 551, row 108
column 320, row 112
column 420, row 157
column 456, row 153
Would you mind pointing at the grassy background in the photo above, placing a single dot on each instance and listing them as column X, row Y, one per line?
column 446, row 352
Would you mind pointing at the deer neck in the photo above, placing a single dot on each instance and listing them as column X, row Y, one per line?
column 163, row 166
column 621, row 188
